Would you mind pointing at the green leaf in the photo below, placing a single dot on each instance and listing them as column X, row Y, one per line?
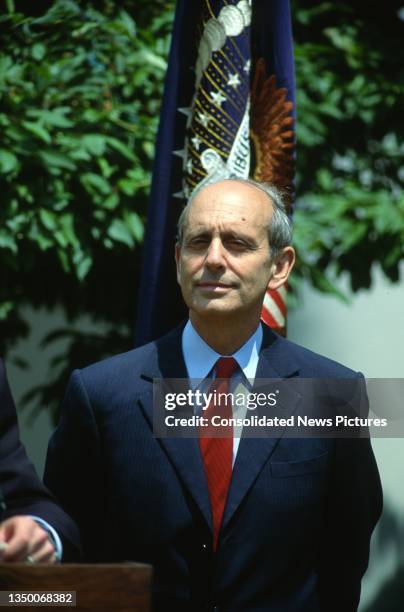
column 95, row 182
column 62, row 241
column 58, row 12
column 94, row 143
column 82, row 262
column 48, row 219
column 57, row 160
column 128, row 22
column 106, row 169
column 4, row 120
column 67, row 226
column 53, row 118
column 136, row 225
column 5, row 64
column 128, row 186
column 64, row 260
column 8, row 161
column 18, row 222
column 87, row 27
column 120, row 232
column 111, row 202
column 84, row 267
column 37, row 130
column 149, row 149
column 8, row 242
column 325, row 179
column 121, row 147
column 5, row 309
column 44, row 242
column 153, row 60
column 38, row 51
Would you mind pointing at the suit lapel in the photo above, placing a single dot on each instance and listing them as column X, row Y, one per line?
column 167, row 362
column 275, row 362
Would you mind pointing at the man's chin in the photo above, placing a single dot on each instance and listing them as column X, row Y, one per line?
column 215, row 306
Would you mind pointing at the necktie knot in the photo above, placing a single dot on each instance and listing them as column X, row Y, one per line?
column 225, row 367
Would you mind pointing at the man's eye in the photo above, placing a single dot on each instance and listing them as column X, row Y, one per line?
column 198, row 242
column 236, row 244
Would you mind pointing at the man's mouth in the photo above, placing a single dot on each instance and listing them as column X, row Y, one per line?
column 216, row 286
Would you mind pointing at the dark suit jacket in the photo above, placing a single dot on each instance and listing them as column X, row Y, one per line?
column 299, row 514
column 20, row 486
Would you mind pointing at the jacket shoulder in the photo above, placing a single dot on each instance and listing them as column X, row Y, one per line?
column 130, row 361
column 126, row 371
column 312, row 364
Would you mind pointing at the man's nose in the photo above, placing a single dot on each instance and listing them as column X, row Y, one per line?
column 215, row 255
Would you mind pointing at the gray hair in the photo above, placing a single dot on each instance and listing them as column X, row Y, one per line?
column 279, row 228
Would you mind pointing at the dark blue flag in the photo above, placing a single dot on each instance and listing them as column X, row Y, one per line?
column 228, row 109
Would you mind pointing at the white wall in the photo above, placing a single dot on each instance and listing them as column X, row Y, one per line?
column 35, row 429
column 366, row 335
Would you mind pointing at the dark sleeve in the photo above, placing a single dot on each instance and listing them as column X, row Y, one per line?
column 22, row 490
column 73, row 470
column 354, row 506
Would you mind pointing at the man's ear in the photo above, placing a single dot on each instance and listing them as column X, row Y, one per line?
column 282, row 267
column 178, row 261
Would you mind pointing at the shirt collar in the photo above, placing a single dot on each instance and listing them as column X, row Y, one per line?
column 200, row 358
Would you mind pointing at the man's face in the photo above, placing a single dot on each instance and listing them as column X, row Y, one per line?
column 224, row 264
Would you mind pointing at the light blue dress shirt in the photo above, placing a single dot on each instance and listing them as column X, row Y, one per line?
column 52, row 534
column 200, row 358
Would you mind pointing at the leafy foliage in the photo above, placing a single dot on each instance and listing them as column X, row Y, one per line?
column 80, row 91
column 350, row 87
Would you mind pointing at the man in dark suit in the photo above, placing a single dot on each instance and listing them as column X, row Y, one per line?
column 33, row 528
column 230, row 524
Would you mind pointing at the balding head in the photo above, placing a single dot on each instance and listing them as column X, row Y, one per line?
column 279, row 225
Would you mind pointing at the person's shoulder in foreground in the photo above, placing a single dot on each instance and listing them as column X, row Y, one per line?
column 31, row 520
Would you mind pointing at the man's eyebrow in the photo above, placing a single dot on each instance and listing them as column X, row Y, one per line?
column 227, row 234
column 198, row 233
column 237, row 234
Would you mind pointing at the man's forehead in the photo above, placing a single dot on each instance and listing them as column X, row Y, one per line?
column 212, row 217
column 230, row 202
column 228, row 190
column 232, row 195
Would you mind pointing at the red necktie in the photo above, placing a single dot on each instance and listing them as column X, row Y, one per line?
column 217, row 452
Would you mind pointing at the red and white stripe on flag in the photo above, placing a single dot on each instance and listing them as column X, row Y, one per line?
column 274, row 309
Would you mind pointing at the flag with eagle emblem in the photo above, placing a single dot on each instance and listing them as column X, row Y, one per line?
column 228, row 110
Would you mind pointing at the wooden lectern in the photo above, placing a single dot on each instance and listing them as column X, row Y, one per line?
column 117, row 588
